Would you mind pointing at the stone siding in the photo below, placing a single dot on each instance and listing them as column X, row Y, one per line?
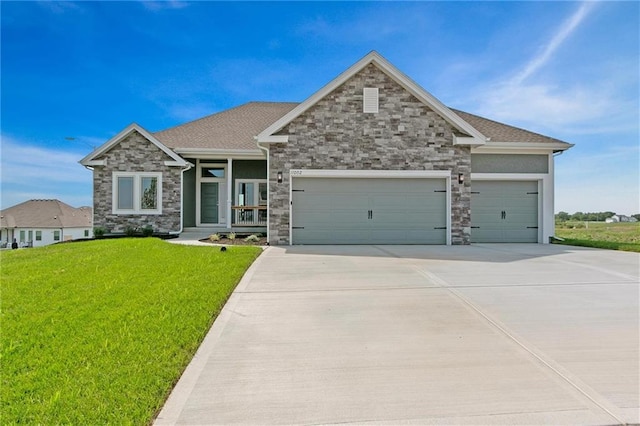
column 335, row 134
column 136, row 154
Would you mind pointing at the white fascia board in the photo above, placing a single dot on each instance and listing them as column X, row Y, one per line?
column 465, row 140
column 313, row 173
column 400, row 78
column 272, row 138
column 222, row 154
column 93, row 163
column 86, row 161
column 520, row 147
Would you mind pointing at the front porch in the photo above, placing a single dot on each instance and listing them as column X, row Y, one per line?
column 222, row 196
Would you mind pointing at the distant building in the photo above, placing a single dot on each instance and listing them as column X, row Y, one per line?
column 36, row 223
column 620, row 218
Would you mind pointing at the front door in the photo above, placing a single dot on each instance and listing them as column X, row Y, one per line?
column 209, row 202
column 212, row 194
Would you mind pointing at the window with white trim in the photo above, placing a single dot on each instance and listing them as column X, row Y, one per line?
column 137, row 193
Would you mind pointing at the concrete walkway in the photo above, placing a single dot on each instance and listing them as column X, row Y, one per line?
column 482, row 334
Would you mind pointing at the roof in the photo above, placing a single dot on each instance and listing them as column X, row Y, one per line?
column 232, row 129
column 46, row 214
column 500, row 132
column 236, row 128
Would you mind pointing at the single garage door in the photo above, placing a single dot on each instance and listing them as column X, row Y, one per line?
column 504, row 212
column 368, row 211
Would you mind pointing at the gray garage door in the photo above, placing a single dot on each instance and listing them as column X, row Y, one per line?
column 504, row 212
column 368, row 211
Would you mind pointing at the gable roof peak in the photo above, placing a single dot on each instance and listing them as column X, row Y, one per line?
column 475, row 137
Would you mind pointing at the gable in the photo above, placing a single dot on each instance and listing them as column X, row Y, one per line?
column 97, row 157
column 465, row 133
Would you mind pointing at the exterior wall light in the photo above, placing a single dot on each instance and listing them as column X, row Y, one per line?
column 460, row 178
column 279, row 177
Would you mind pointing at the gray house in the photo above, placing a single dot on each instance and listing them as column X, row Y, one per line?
column 370, row 158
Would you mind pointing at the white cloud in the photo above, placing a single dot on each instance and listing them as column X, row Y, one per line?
column 564, row 31
column 29, row 171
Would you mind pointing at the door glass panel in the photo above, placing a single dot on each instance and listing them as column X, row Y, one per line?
column 209, row 202
column 262, row 189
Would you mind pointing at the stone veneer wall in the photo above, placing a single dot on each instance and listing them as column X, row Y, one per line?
column 404, row 135
column 136, row 154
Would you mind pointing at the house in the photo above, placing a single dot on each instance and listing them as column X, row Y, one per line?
column 36, row 223
column 620, row 218
column 370, row 158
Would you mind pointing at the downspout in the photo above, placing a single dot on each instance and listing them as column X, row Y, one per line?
column 266, row 151
column 189, row 166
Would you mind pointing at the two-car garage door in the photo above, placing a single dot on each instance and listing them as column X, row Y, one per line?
column 369, row 211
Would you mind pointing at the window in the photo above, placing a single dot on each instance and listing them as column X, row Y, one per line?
column 56, row 235
column 137, row 193
column 212, row 172
column 86, row 233
column 38, row 235
column 22, row 236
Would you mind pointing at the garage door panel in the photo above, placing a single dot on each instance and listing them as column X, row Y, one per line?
column 504, row 211
column 369, row 211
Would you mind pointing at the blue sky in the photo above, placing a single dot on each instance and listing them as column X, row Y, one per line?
column 85, row 70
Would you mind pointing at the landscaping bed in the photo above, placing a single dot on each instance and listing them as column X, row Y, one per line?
column 234, row 239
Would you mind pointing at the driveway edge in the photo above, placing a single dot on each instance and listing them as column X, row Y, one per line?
column 178, row 397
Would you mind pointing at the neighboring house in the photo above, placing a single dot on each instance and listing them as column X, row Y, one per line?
column 36, row 223
column 620, row 218
column 371, row 158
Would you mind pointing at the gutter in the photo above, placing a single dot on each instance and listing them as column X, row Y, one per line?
column 266, row 151
column 189, row 166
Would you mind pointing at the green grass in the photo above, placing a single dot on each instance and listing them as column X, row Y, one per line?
column 99, row 332
column 614, row 236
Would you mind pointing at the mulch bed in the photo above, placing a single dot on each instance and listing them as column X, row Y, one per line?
column 238, row 241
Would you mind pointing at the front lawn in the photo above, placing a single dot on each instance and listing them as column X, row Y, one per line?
column 99, row 332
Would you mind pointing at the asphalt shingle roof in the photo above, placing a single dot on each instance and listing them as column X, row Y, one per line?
column 45, row 214
column 235, row 128
column 500, row 132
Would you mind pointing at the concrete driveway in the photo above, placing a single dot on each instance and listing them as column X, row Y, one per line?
column 482, row 334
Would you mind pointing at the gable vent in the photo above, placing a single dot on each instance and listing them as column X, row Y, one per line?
column 370, row 99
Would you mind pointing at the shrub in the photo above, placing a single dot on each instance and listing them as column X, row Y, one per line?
column 252, row 239
column 130, row 231
column 214, row 237
column 231, row 236
column 98, row 232
column 147, row 231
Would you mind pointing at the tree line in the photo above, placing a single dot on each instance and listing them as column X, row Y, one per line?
column 590, row 217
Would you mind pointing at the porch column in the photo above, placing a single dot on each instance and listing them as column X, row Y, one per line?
column 229, row 191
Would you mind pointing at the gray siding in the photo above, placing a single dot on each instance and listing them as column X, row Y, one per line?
column 509, row 163
column 336, row 134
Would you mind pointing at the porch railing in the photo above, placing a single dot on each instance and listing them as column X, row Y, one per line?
column 249, row 215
